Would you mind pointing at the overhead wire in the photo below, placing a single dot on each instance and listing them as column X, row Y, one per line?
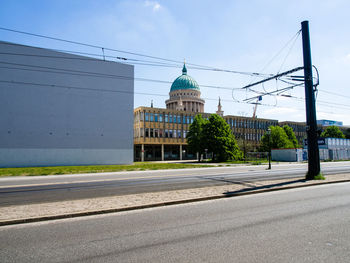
column 33, row 84
column 294, row 39
column 157, row 63
column 36, row 68
column 335, row 94
column 289, row 51
column 131, row 53
column 276, row 55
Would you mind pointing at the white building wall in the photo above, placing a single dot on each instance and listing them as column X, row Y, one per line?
column 63, row 109
column 287, row 155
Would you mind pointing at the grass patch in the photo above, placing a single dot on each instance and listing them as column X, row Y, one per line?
column 56, row 170
column 319, row 177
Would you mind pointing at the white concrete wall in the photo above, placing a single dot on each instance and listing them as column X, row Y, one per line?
column 63, row 109
column 287, row 155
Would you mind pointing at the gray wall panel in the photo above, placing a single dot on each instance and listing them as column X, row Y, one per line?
column 53, row 100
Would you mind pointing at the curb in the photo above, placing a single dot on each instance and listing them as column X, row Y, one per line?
column 116, row 210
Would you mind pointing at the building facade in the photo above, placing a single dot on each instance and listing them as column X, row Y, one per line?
column 160, row 134
column 60, row 109
column 329, row 123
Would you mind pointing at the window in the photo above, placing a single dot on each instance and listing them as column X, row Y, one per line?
column 160, row 117
column 179, row 133
column 174, row 134
column 151, row 133
column 141, row 132
column 185, row 132
column 184, row 119
column 174, row 118
column 146, row 133
column 151, row 117
column 188, row 119
column 156, row 133
column 146, row 116
column 179, row 119
column 141, row 117
column 170, row 133
column 170, row 118
column 156, row 117
column 166, row 118
column 166, row 133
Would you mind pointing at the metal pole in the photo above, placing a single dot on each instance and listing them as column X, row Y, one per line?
column 311, row 128
column 269, row 154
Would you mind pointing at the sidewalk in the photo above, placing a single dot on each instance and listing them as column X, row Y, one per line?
column 56, row 210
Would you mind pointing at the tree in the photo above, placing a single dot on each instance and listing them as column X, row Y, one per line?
column 347, row 133
column 332, row 132
column 195, row 136
column 277, row 139
column 291, row 135
column 219, row 139
column 246, row 146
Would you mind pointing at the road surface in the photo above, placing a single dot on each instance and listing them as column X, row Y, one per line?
column 301, row 225
column 37, row 189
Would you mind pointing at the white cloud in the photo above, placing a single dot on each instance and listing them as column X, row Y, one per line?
column 155, row 5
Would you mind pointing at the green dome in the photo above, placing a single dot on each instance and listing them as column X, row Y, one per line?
column 184, row 82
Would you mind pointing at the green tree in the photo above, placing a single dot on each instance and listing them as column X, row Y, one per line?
column 291, row 135
column 277, row 139
column 332, row 132
column 195, row 136
column 347, row 133
column 219, row 139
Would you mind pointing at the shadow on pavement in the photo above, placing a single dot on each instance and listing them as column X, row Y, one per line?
column 264, row 187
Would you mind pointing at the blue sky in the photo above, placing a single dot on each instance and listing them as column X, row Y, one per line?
column 238, row 35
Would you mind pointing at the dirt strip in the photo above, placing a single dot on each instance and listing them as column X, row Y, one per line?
column 55, row 210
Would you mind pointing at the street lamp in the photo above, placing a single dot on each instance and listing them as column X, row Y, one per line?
column 269, row 134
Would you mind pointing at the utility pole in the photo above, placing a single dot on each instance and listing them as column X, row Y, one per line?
column 311, row 124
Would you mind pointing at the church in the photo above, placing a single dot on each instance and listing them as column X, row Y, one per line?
column 160, row 134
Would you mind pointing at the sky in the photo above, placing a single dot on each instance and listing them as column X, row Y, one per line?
column 237, row 35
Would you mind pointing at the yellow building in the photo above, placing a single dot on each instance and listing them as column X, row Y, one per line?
column 160, row 134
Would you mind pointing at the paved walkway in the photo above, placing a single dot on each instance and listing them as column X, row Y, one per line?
column 55, row 210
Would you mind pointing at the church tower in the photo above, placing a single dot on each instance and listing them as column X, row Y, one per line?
column 220, row 112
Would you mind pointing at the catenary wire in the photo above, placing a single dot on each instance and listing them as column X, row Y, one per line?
column 94, row 74
column 138, row 54
column 127, row 52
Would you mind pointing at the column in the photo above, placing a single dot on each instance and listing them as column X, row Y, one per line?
column 142, row 152
column 180, row 152
column 162, row 152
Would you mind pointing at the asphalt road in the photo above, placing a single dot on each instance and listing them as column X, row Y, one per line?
column 300, row 225
column 38, row 189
